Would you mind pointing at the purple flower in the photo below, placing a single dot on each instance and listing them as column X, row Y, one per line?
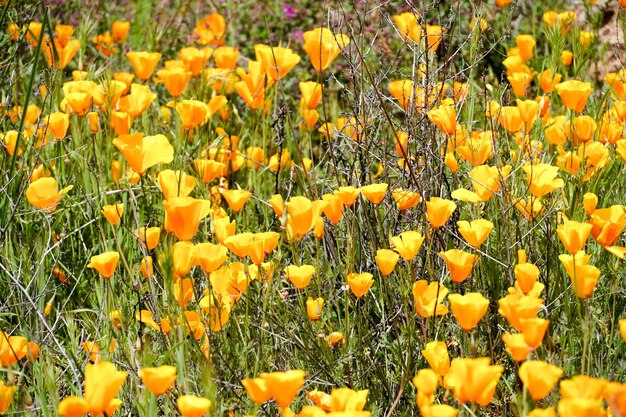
column 290, row 12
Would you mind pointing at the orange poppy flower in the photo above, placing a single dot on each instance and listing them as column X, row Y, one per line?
column 473, row 379
column 278, row 61
column 119, row 31
column 105, row 263
column 429, row 298
column 375, row 193
column 193, row 406
column 142, row 152
column 574, row 235
column 444, row 117
column 476, row 232
column 183, row 215
column 102, row 383
column 113, row 213
column 468, row 309
column 175, row 183
column 175, row 80
column 539, row 378
column 584, row 277
column 44, row 195
column 158, row 380
column 439, row 210
column 209, row 256
column 300, row 276
column 405, row 199
column 211, row 30
column 236, row 199
column 386, row 260
column 323, row 47
column 144, row 63
column 360, row 283
column 460, row 263
column 574, row 94
column 314, row 308
column 516, row 346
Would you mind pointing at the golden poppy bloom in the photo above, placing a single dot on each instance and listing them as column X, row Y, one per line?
column 148, row 237
column 574, row 235
column 526, row 45
column 193, row 113
column 314, row 308
column 386, row 260
column 137, row 101
column 105, row 263
column 323, row 47
column 277, row 60
column 408, row 27
column 211, row 30
column 476, row 232
column 436, row 354
column 574, row 94
column 65, row 52
column 526, row 274
column 102, row 383
column 119, row 31
column 44, row 195
column 407, row 244
column 12, row 349
column 405, row 199
column 175, row 80
column 57, row 124
column 194, row 59
column 182, row 254
column 71, row 406
column 300, row 276
column 144, row 63
column 360, row 283
column 468, row 309
column 302, row 215
column 520, row 82
column 209, row 169
column 444, row 117
column 113, row 213
column 284, row 386
column 516, row 307
column 253, row 84
column 6, row 396
column 583, row 276
column 516, row 346
column 434, row 36
column 311, row 94
column 142, row 152
column 210, row 256
column 175, row 183
column 333, row 208
column 9, row 140
column 539, row 378
column 473, row 379
column 257, row 389
column 439, row 210
column 183, row 215
column 429, row 298
column 608, row 224
column 542, row 178
column 534, row 330
column 236, row 199
column 192, row 406
column 158, row 380
column 459, row 263
column 375, row 193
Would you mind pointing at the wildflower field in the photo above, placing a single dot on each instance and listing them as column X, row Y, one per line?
column 346, row 208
